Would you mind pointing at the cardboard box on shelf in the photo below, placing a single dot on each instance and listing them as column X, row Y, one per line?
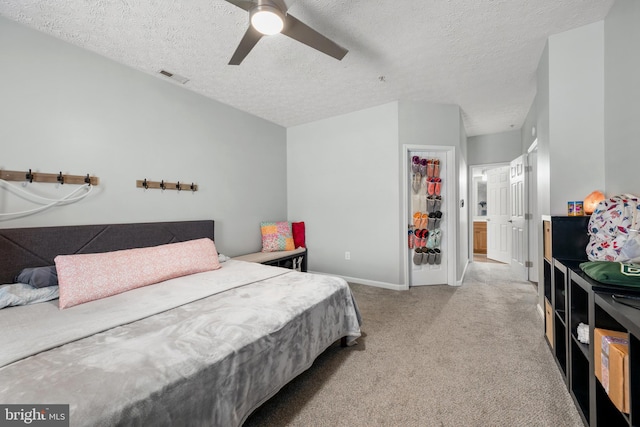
column 547, row 240
column 611, row 360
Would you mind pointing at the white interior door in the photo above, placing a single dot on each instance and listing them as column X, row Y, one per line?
column 518, row 220
column 498, row 215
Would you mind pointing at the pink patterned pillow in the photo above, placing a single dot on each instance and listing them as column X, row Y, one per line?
column 87, row 277
column 276, row 236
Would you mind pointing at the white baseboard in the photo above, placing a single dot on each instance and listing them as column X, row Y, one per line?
column 540, row 311
column 385, row 285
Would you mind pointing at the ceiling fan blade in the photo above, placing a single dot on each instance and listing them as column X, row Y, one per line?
column 303, row 33
column 243, row 4
column 247, row 43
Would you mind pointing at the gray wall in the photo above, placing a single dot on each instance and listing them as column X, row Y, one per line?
column 542, row 109
column 622, row 92
column 530, row 122
column 494, row 148
column 343, row 183
column 570, row 123
column 65, row 109
column 576, row 119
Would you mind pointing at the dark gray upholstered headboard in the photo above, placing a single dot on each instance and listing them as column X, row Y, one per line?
column 35, row 247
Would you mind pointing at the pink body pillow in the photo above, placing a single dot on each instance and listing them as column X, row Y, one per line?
column 87, row 277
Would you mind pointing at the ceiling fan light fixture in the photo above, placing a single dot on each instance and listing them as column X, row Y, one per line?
column 267, row 19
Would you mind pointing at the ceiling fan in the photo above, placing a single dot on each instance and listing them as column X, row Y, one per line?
column 269, row 17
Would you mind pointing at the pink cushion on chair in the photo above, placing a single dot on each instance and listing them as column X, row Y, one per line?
column 87, row 277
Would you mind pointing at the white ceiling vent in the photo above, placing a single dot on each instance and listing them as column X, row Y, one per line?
column 176, row 77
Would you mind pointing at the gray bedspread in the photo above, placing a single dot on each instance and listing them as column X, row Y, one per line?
column 209, row 360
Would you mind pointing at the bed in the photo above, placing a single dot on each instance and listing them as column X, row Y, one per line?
column 200, row 349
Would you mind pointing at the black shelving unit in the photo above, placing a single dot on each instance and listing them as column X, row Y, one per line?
column 297, row 260
column 580, row 359
column 604, row 313
column 575, row 298
column 560, row 315
column 548, row 306
column 289, row 261
column 565, row 240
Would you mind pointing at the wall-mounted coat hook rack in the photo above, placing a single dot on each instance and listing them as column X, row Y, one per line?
column 56, row 178
column 162, row 185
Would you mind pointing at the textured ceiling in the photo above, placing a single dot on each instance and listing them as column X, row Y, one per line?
column 479, row 54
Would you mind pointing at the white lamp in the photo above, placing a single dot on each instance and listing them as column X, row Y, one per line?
column 267, row 19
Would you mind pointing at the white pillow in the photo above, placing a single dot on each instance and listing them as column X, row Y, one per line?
column 22, row 294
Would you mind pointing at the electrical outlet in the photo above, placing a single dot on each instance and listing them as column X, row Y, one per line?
column 347, row 255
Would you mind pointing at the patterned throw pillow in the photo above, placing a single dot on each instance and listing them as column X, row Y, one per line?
column 276, row 236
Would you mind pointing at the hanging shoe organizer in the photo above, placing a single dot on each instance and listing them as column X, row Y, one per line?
column 425, row 234
column 430, row 253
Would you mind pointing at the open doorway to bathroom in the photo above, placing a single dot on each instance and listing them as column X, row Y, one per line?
column 489, row 241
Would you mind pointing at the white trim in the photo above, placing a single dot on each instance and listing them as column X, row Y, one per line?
column 535, row 226
column 540, row 311
column 374, row 283
column 452, row 206
column 488, row 165
column 464, row 271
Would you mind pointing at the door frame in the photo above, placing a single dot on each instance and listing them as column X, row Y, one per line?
column 449, row 200
column 471, row 198
column 535, row 224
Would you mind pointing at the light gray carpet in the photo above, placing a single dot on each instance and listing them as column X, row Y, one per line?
column 473, row 355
